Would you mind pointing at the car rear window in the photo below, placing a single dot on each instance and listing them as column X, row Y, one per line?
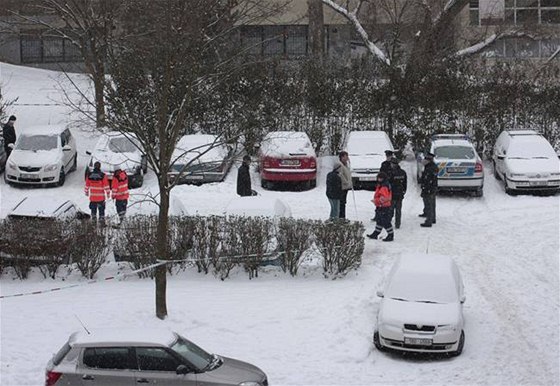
column 107, row 358
column 454, row 152
column 59, row 356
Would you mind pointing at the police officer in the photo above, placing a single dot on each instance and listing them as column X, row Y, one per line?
column 398, row 186
column 429, row 183
column 386, row 165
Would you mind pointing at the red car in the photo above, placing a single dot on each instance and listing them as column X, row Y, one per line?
column 287, row 156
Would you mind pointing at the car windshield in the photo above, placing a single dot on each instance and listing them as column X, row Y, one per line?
column 454, row 152
column 122, row 145
column 37, row 142
column 192, row 353
column 429, row 288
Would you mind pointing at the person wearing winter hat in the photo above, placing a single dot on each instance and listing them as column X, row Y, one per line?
column 429, row 185
column 334, row 191
column 382, row 200
column 9, row 134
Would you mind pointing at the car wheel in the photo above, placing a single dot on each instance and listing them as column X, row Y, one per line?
column 377, row 342
column 61, row 177
column 479, row 192
column 496, row 174
column 509, row 191
column 313, row 183
column 459, row 350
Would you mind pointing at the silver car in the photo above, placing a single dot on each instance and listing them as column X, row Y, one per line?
column 119, row 357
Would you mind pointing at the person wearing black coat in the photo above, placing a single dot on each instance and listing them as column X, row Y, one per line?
column 244, row 178
column 398, row 185
column 9, row 134
column 334, row 191
column 386, row 165
column 429, row 183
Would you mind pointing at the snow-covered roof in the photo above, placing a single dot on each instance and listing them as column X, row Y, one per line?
column 39, row 206
column 522, row 132
column 286, row 144
column 119, row 336
column 45, row 130
column 452, row 142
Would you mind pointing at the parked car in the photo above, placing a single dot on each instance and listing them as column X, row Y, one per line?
column 54, row 208
column 135, row 356
column 42, row 155
column 258, row 206
column 3, row 155
column 200, row 158
column 366, row 150
column 287, row 156
column 421, row 308
column 117, row 150
column 525, row 160
column 460, row 166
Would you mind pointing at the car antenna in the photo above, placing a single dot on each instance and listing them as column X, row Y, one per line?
column 83, row 325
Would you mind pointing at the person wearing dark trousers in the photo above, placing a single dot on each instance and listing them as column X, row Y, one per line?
column 398, row 186
column 334, row 191
column 429, row 183
column 9, row 135
column 244, row 178
column 382, row 200
column 346, row 177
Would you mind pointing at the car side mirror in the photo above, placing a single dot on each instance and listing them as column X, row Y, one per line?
column 501, row 156
column 380, row 293
column 88, row 152
column 182, row 369
column 463, row 299
column 67, row 148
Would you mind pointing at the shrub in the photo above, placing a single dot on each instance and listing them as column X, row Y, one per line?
column 206, row 242
column 294, row 238
column 136, row 243
column 90, row 247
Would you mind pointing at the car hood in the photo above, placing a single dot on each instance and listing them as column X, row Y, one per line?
column 533, row 165
column 400, row 312
column 109, row 160
column 367, row 161
column 35, row 158
column 233, row 372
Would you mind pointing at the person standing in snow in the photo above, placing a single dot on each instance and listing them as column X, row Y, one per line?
column 429, row 184
column 398, row 187
column 386, row 165
column 346, row 177
column 97, row 189
column 334, row 191
column 9, row 135
column 382, row 200
column 120, row 192
column 244, row 178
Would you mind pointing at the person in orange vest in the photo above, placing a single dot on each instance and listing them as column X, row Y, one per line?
column 383, row 208
column 97, row 189
column 120, row 192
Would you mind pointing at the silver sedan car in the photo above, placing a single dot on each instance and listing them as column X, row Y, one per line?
column 119, row 357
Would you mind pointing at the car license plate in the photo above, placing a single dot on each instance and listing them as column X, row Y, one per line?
column 539, row 183
column 289, row 162
column 193, row 177
column 367, row 178
column 456, row 169
column 418, row 341
column 28, row 175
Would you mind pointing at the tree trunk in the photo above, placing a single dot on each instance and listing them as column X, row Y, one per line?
column 99, row 86
column 162, row 250
column 316, row 30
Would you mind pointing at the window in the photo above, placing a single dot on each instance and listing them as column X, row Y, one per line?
column 474, row 12
column 532, row 11
column 107, row 358
column 37, row 47
column 522, row 48
column 275, row 40
column 155, row 359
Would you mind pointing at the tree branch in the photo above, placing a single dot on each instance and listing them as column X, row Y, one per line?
column 475, row 48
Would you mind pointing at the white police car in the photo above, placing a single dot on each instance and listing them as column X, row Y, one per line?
column 460, row 167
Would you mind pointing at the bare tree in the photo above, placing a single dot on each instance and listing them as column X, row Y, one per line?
column 316, row 28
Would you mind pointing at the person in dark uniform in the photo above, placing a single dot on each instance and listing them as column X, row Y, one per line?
column 429, row 183
column 9, row 134
column 386, row 165
column 244, row 178
column 398, row 186
column 334, row 191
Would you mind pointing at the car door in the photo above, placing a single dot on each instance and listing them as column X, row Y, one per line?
column 66, row 155
column 157, row 366
column 107, row 366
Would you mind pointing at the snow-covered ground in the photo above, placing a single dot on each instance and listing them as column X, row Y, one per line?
column 308, row 330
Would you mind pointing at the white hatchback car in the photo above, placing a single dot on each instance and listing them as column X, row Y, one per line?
column 49, row 208
column 422, row 306
column 42, row 155
column 366, row 150
column 525, row 160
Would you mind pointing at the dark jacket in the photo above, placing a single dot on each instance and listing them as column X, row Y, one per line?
column 244, row 181
column 429, row 179
column 9, row 134
column 398, row 183
column 387, row 169
column 334, row 186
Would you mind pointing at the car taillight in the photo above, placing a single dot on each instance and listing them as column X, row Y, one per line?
column 478, row 167
column 312, row 163
column 266, row 162
column 51, row 378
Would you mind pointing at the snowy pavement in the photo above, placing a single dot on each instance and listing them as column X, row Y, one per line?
column 308, row 330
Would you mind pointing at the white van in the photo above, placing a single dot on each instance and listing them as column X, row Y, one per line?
column 525, row 160
column 366, row 150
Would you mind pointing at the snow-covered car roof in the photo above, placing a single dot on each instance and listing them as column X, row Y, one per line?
column 258, row 206
column 531, row 146
column 522, row 132
column 39, row 206
column 286, row 144
column 418, row 277
column 192, row 145
column 123, row 336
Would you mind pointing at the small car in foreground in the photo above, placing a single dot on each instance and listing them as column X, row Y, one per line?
column 526, row 161
column 460, row 167
column 421, row 308
column 54, row 208
column 143, row 356
column 287, row 156
column 117, row 150
column 366, row 150
column 42, row 155
column 200, row 158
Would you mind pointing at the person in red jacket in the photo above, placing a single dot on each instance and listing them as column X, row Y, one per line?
column 120, row 192
column 383, row 208
column 97, row 189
